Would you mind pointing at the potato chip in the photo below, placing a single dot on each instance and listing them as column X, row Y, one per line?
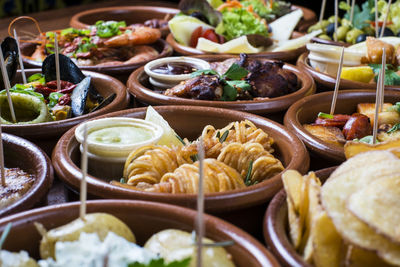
column 292, row 182
column 378, row 206
column 353, row 148
column 326, row 242
column 358, row 257
column 336, row 191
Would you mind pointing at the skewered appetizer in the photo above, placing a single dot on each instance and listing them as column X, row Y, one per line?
column 104, row 240
column 237, row 155
column 337, row 129
column 40, row 101
column 107, row 43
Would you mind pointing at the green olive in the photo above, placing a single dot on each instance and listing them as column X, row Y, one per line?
column 332, row 19
column 369, row 30
column 325, row 37
column 341, row 32
column 352, row 35
column 346, row 22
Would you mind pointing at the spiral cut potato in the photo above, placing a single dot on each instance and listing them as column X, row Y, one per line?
column 242, row 156
column 236, row 155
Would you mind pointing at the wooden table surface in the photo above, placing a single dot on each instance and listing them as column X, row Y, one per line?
column 59, row 18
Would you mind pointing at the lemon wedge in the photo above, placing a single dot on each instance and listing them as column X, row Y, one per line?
column 169, row 138
column 360, row 74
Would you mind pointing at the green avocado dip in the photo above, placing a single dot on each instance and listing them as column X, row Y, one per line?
column 120, row 135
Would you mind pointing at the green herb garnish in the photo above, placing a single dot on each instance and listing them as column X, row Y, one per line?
column 362, row 16
column 395, row 128
column 180, row 139
column 37, row 77
column 161, row 263
column 5, row 234
column 218, row 134
column 194, row 157
column 325, row 115
column 122, row 180
column 203, row 72
column 224, row 136
column 235, row 72
column 395, row 107
column 53, row 98
column 391, row 76
column 366, row 139
column 106, row 29
column 22, row 89
column 247, row 181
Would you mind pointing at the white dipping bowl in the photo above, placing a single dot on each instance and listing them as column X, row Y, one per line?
column 164, row 81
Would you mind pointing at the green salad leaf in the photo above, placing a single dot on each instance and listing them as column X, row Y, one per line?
column 73, row 31
column 361, row 16
column 161, row 263
column 235, row 72
column 203, row 72
column 107, row 29
column 37, row 77
column 260, row 8
column 238, row 22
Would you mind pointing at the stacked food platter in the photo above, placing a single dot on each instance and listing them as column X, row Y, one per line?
column 119, row 132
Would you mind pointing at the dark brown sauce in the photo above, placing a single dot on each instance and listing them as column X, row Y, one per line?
column 174, row 68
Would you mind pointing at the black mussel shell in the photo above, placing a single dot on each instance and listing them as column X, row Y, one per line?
column 10, row 52
column 69, row 71
column 105, row 102
column 79, row 96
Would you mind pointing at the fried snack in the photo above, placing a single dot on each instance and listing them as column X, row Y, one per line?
column 353, row 148
column 218, row 177
column 243, row 156
column 369, row 203
column 358, row 257
column 329, row 134
column 347, row 180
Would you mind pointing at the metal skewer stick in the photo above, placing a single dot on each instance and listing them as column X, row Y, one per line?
column 84, row 166
column 7, row 86
column 376, row 20
column 200, row 227
column 336, row 20
column 322, row 12
column 379, row 96
column 57, row 59
column 352, row 11
column 335, row 93
column 21, row 64
column 385, row 19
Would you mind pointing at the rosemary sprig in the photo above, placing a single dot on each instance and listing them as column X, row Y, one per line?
column 247, row 181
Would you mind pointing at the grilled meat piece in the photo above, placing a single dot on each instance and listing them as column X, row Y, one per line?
column 203, row 87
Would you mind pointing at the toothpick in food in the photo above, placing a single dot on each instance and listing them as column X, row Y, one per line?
column 200, row 227
column 379, row 96
column 84, row 166
column 322, row 12
column 385, row 19
column 21, row 64
column 56, row 54
column 7, row 86
column 335, row 92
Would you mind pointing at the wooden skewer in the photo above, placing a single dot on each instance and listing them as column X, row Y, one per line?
column 200, row 204
column 57, row 58
column 385, row 19
column 7, row 86
column 383, row 71
column 379, row 96
column 335, row 93
column 84, row 166
column 376, row 20
column 336, row 20
column 21, row 64
column 322, row 12
column 3, row 170
column 352, row 11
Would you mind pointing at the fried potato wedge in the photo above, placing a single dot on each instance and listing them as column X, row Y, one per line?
column 377, row 205
column 332, row 135
column 353, row 148
column 358, row 257
column 337, row 190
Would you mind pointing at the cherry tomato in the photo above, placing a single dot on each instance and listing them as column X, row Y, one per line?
column 210, row 35
column 196, row 34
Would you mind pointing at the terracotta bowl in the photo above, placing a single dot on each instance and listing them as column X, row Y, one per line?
column 327, row 82
column 276, row 227
column 129, row 14
column 25, row 155
column 139, row 86
column 188, row 121
column 144, row 219
column 287, row 56
column 119, row 71
column 306, row 111
column 47, row 134
column 329, row 42
column 309, row 18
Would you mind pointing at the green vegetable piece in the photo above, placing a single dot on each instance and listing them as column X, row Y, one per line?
column 325, row 115
column 235, row 72
column 395, row 107
column 37, row 77
column 352, row 35
column 5, row 234
column 203, row 72
column 122, row 181
column 344, row 6
column 230, row 93
column 341, row 32
column 161, row 263
column 395, row 128
column 180, row 139
column 247, row 181
column 53, row 98
column 242, row 85
column 325, row 37
column 224, row 136
column 107, row 29
column 366, row 139
column 194, row 158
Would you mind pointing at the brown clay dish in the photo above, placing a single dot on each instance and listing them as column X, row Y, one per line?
column 163, row 48
column 306, row 111
column 189, row 121
column 144, row 219
column 276, row 226
column 138, row 85
column 308, row 19
column 327, row 81
column 129, row 14
column 25, row 155
column 47, row 134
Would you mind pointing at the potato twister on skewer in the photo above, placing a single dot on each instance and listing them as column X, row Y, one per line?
column 241, row 156
column 218, row 177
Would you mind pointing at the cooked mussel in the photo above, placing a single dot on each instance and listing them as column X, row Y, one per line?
column 10, row 52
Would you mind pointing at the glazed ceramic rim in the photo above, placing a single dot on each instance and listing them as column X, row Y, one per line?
column 214, row 225
column 276, row 236
column 42, row 183
column 238, row 199
column 266, row 105
column 113, row 150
